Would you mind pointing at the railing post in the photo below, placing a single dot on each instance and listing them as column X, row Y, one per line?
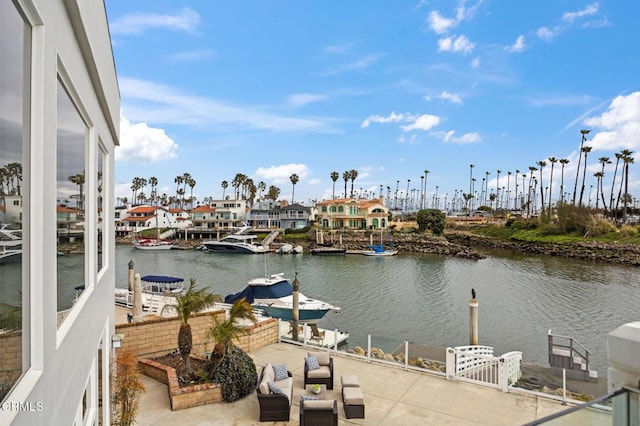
column 335, row 340
column 503, row 377
column 304, row 334
column 564, row 386
column 451, row 364
column 369, row 347
column 279, row 333
column 406, row 354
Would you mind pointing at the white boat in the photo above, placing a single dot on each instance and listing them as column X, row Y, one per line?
column 152, row 244
column 157, row 291
column 380, row 249
column 274, row 296
column 10, row 244
column 238, row 242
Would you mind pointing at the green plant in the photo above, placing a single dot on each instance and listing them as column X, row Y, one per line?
column 187, row 303
column 236, row 373
column 127, row 388
column 597, row 226
column 224, row 332
column 432, row 220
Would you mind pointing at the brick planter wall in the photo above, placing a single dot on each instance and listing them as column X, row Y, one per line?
column 185, row 397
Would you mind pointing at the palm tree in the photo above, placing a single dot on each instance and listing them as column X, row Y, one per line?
column 553, row 161
column 225, row 185
column 628, row 159
column 515, row 197
column 294, row 179
column 575, row 185
column 598, row 176
column 353, row 174
column 178, row 181
column 191, row 182
column 261, row 187
column 346, row 175
column 273, row 192
column 541, row 164
column 334, row 177
column 471, row 166
column 613, row 182
column 586, row 150
column 79, row 180
column 603, row 161
column 506, row 204
column 531, row 169
column 498, row 186
column 187, row 303
column 426, row 177
column 224, row 332
column 563, row 162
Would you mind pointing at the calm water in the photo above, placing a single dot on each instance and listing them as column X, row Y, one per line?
column 426, row 298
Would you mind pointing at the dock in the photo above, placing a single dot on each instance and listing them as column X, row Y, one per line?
column 325, row 339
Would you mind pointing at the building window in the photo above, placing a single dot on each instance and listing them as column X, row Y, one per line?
column 71, row 138
column 324, row 209
column 340, row 209
column 14, row 74
column 101, row 214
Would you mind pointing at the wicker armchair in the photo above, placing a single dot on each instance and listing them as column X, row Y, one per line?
column 323, row 375
column 319, row 413
column 273, row 407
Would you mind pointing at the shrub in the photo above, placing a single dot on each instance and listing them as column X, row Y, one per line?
column 297, row 230
column 628, row 231
column 432, row 220
column 127, row 388
column 597, row 226
column 236, row 373
column 571, row 218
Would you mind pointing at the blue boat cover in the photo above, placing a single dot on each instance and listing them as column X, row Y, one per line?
column 377, row 248
column 274, row 291
column 161, row 279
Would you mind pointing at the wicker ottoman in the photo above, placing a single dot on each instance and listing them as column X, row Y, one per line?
column 353, row 402
column 349, row 381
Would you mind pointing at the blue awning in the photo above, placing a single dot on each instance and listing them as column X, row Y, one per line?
column 163, row 279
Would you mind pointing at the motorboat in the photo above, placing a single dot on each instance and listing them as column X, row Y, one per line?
column 379, row 250
column 273, row 295
column 328, row 251
column 156, row 290
column 238, row 242
column 152, row 244
column 10, row 244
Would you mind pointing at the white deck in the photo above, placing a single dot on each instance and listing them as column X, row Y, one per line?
column 331, row 337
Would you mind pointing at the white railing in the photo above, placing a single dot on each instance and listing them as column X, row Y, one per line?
column 477, row 364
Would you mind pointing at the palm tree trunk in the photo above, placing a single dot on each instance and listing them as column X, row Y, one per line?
column 185, row 344
column 584, row 176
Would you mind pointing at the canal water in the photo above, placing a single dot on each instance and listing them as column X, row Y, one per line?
column 425, row 299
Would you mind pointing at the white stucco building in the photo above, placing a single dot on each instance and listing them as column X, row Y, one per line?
column 59, row 124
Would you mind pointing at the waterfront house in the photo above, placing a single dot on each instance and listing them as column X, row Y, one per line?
column 353, row 213
column 60, row 113
column 294, row 216
column 264, row 214
column 219, row 214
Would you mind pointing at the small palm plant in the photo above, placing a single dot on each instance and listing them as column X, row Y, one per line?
column 224, row 332
column 190, row 302
column 230, row 366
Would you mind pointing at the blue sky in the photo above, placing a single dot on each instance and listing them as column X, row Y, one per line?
column 388, row 88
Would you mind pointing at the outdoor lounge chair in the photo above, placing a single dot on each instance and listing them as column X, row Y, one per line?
column 322, row 375
column 274, row 406
column 316, row 334
column 319, row 413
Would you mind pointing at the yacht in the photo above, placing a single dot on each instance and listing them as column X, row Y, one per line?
column 273, row 295
column 10, row 244
column 238, row 242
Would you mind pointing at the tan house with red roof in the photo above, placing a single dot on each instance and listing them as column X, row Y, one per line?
column 353, row 213
column 143, row 217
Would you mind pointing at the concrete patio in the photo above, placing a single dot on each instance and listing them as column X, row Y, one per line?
column 392, row 395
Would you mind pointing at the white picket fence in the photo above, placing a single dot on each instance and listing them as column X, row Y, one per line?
column 477, row 364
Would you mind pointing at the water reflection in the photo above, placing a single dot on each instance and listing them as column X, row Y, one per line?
column 426, row 298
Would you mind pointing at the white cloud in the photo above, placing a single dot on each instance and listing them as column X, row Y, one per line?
column 440, row 24
column 190, row 56
column 466, row 138
column 475, row 62
column 455, row 44
column 392, row 118
column 138, row 23
column 157, row 103
column 280, row 174
column 546, row 33
column 424, row 122
column 338, row 49
column 314, row 181
column 619, row 126
column 518, row 46
column 359, row 64
column 589, row 10
column 450, row 97
column 301, row 99
column 139, row 142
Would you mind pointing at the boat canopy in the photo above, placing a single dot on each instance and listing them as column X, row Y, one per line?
column 377, row 248
column 274, row 291
column 163, row 279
